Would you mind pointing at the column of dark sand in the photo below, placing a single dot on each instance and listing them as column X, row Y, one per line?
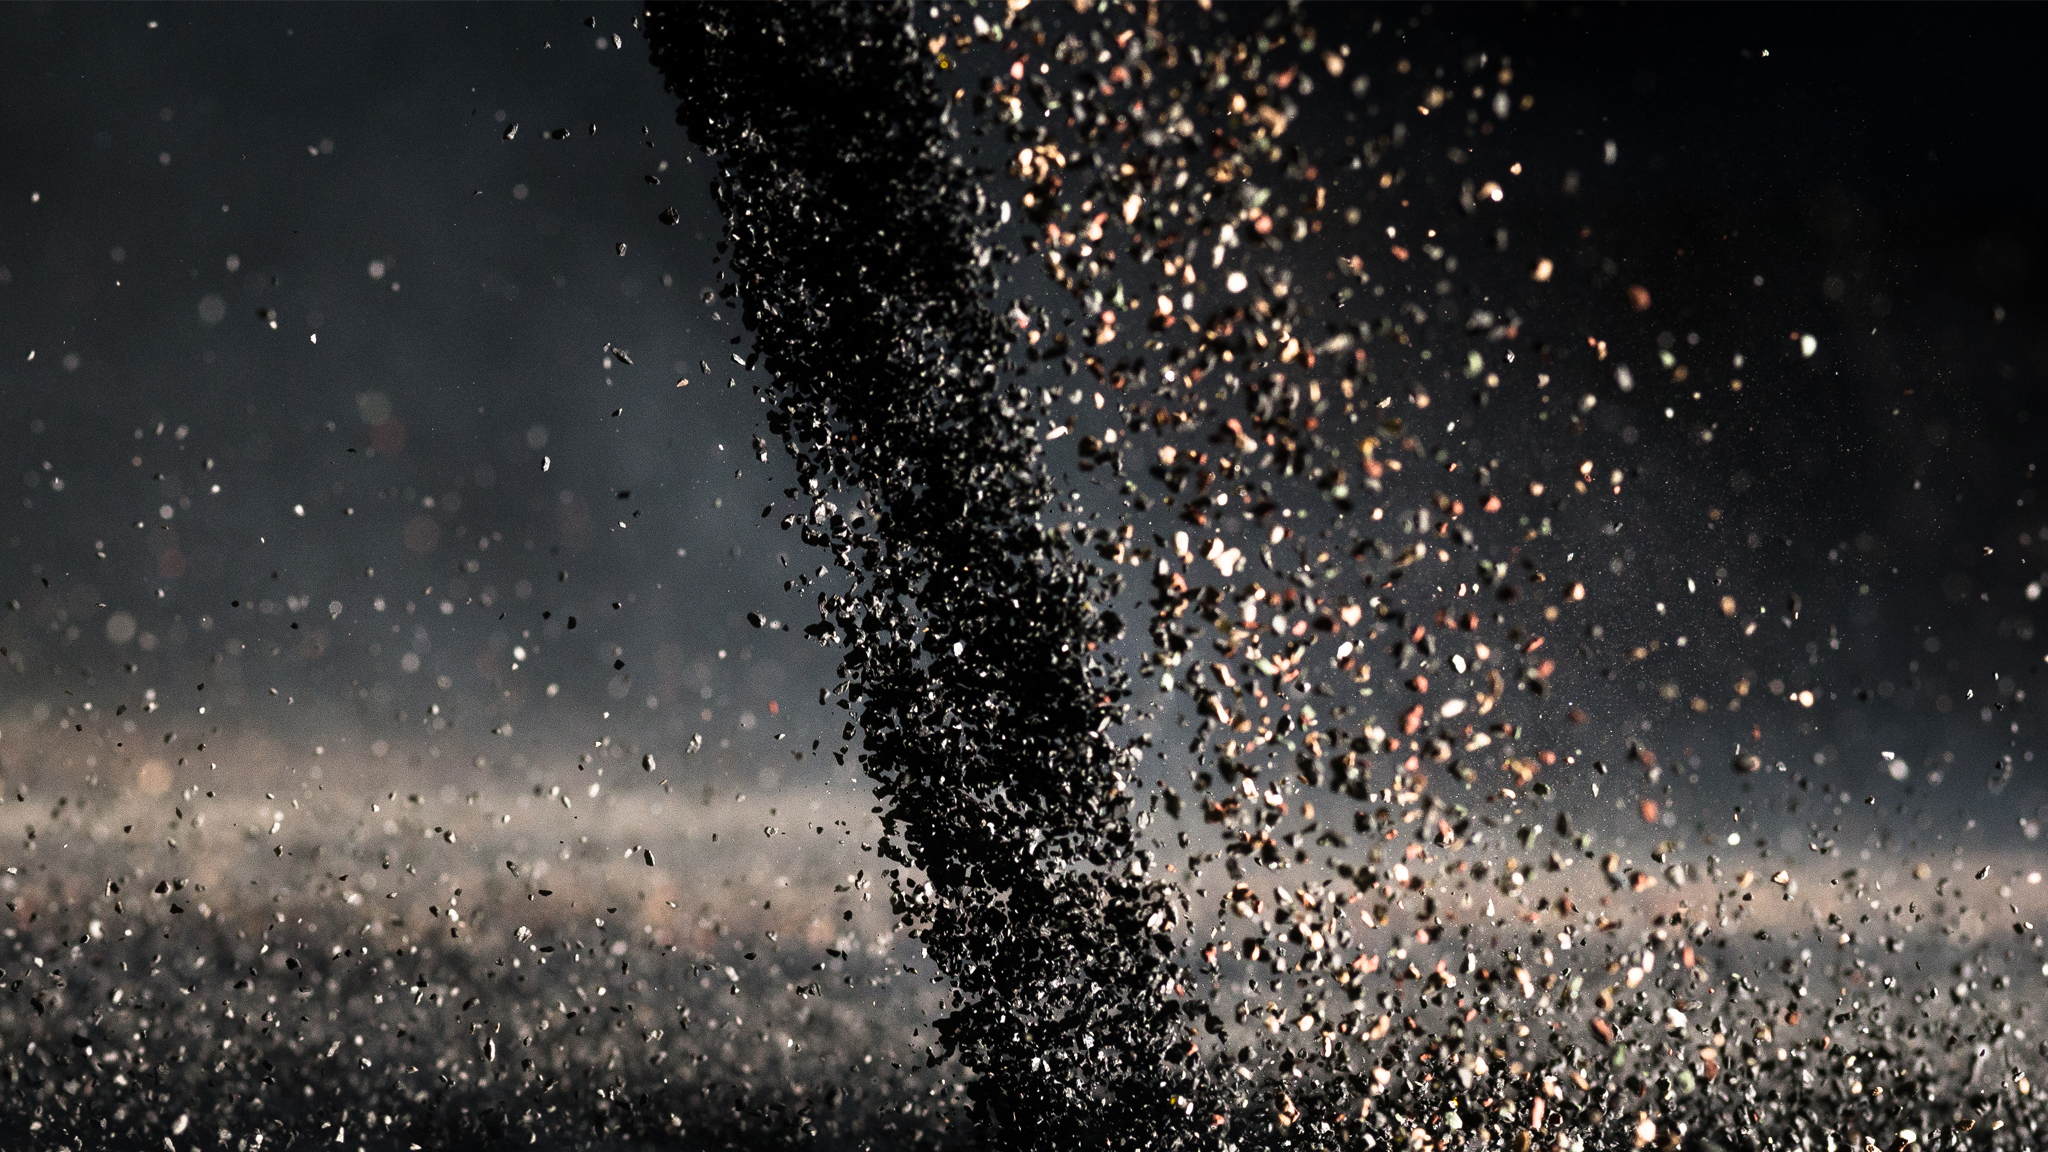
column 977, row 648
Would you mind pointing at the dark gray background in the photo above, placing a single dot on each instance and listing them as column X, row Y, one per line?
column 306, row 146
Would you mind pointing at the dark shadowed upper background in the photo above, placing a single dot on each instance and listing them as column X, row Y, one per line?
column 291, row 252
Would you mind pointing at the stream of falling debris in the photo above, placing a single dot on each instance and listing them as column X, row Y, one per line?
column 1264, row 741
